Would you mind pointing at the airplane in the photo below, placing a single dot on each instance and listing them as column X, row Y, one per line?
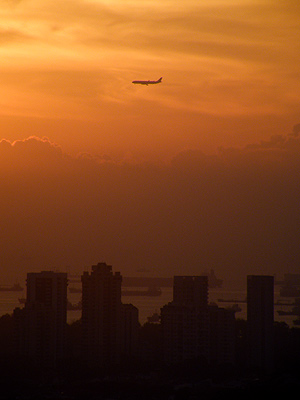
column 147, row 82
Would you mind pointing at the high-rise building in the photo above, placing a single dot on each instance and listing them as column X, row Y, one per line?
column 191, row 290
column 129, row 330
column 221, row 335
column 41, row 324
column 184, row 321
column 101, row 315
column 260, row 321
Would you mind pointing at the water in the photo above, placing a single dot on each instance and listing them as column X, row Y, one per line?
column 147, row 305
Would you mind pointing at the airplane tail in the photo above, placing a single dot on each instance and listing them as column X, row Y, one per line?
column 160, row 79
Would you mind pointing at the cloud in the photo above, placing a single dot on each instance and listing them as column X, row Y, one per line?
column 278, row 149
column 296, row 129
column 8, row 36
column 236, row 211
column 231, row 56
column 32, row 151
column 203, row 31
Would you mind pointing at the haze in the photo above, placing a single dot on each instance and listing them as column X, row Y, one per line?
column 198, row 172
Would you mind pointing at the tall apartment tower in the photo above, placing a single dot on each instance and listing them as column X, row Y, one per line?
column 191, row 290
column 41, row 324
column 129, row 330
column 101, row 315
column 184, row 321
column 260, row 321
column 221, row 335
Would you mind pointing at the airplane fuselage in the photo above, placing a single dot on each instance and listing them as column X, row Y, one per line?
column 147, row 82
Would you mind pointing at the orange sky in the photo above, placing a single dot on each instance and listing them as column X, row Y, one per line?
column 224, row 117
column 230, row 73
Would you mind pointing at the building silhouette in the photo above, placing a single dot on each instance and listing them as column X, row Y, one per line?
column 221, row 335
column 129, row 330
column 185, row 321
column 40, row 327
column 191, row 291
column 194, row 329
column 101, row 315
column 260, row 321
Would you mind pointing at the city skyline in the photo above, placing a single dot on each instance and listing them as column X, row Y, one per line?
column 194, row 340
column 190, row 326
column 163, row 138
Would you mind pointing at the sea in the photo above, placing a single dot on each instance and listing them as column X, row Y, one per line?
column 225, row 296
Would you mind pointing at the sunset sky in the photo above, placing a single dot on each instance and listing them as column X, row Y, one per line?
column 70, row 118
column 230, row 73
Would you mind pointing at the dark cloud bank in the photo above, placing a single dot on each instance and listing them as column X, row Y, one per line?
column 236, row 212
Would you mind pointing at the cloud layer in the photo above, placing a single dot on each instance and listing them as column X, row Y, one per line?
column 236, row 212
